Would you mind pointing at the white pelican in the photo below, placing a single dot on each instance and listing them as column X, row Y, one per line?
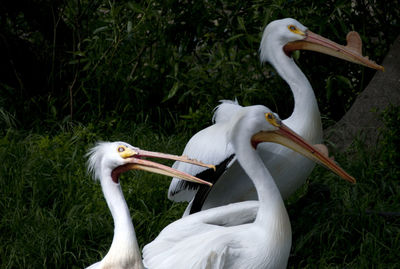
column 288, row 168
column 107, row 160
column 226, row 236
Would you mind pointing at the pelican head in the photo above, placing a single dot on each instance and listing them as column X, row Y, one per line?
column 259, row 124
column 117, row 157
column 287, row 35
column 277, row 34
column 108, row 156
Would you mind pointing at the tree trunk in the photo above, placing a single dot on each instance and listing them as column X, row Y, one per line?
column 363, row 120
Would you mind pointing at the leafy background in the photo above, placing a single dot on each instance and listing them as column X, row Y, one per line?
column 164, row 61
column 150, row 73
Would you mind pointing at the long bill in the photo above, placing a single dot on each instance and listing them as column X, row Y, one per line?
column 186, row 159
column 134, row 160
column 149, row 166
column 288, row 138
column 351, row 52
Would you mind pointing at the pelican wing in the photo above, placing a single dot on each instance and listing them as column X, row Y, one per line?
column 209, row 145
column 181, row 244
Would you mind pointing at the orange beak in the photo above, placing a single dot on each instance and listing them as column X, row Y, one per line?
column 351, row 52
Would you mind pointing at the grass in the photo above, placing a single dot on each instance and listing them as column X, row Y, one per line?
column 336, row 224
column 54, row 216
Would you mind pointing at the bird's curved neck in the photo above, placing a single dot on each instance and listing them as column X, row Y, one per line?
column 305, row 115
column 272, row 216
column 272, row 208
column 124, row 245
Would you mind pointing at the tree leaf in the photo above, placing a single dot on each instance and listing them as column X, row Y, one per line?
column 172, row 92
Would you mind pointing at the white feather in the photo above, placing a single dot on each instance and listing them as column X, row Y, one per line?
column 226, row 110
column 124, row 251
column 208, row 146
column 250, row 235
column 288, row 168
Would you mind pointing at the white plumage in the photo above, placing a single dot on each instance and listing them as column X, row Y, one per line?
column 251, row 234
column 203, row 241
column 106, row 162
column 288, row 168
column 124, row 251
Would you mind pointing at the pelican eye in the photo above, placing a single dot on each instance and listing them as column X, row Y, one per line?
column 272, row 119
column 296, row 30
column 126, row 152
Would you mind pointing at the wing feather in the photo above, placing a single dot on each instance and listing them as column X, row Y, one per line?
column 226, row 110
column 181, row 244
column 209, row 145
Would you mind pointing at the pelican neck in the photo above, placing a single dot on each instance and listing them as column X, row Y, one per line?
column 272, row 208
column 124, row 240
column 305, row 115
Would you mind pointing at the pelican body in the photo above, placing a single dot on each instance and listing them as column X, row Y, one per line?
column 288, row 168
column 106, row 162
column 252, row 235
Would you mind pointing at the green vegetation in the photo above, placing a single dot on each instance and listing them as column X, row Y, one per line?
column 54, row 216
column 167, row 61
column 336, row 225
column 150, row 73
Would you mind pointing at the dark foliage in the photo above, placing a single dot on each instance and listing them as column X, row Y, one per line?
column 169, row 62
column 77, row 71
